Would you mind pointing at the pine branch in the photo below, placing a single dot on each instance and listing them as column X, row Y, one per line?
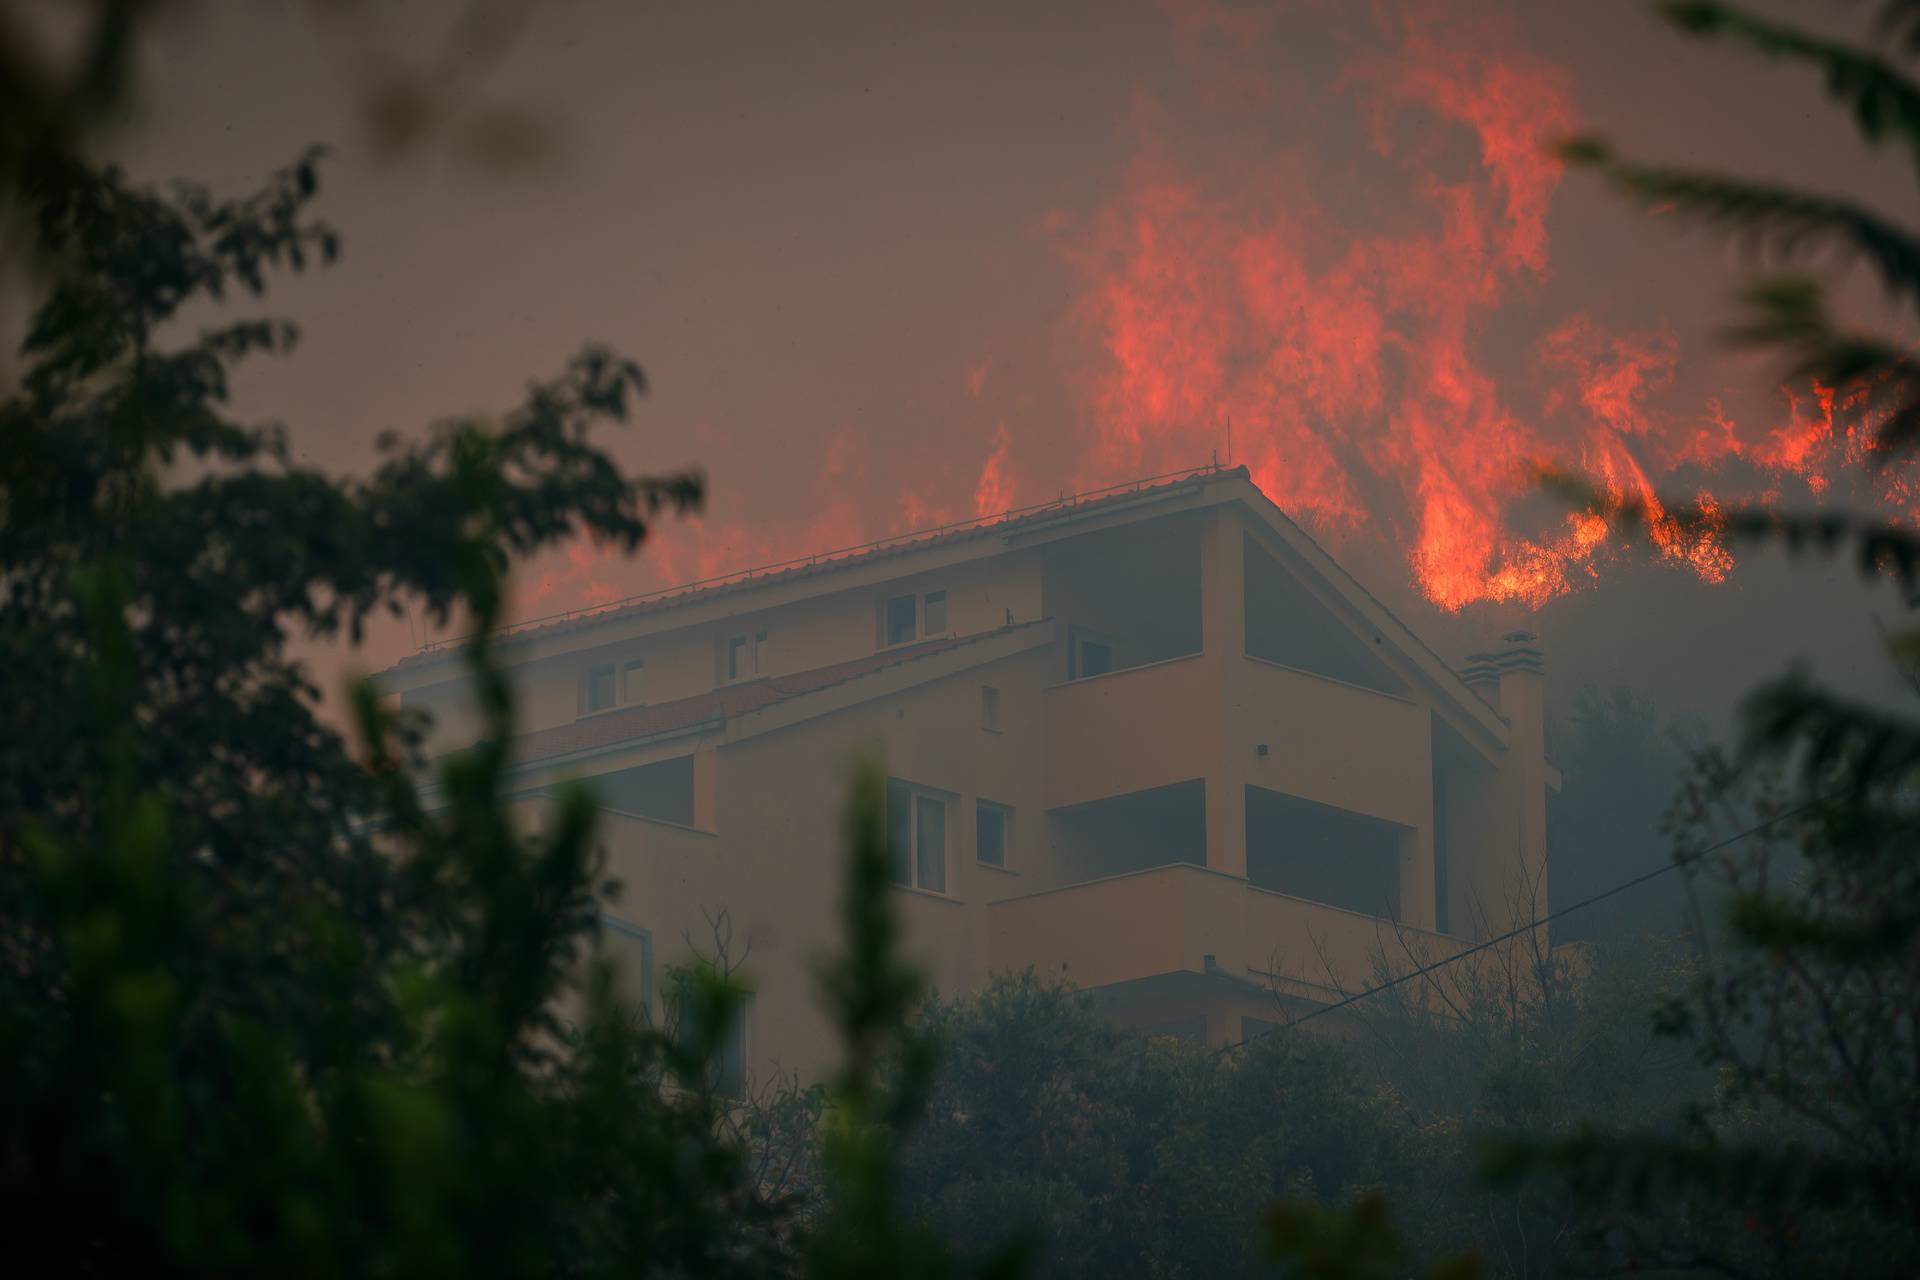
column 1763, row 217
column 1880, row 547
column 1898, row 25
column 1784, row 925
column 1833, row 739
column 1868, row 375
column 1884, row 103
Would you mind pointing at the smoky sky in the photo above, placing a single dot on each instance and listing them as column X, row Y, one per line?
column 891, row 265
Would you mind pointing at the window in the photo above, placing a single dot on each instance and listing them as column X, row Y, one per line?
column 633, row 961
column 904, row 619
column 727, row 1068
column 897, row 627
column 930, row 843
column 607, row 685
column 989, row 708
column 744, row 656
column 1088, row 654
column 916, row 837
column 599, row 691
column 993, row 832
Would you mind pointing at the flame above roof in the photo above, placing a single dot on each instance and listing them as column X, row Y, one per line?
column 1071, row 505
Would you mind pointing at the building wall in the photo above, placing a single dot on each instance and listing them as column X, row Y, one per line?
column 806, row 632
column 775, row 859
column 1073, row 760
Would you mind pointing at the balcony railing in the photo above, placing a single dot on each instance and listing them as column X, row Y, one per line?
column 1333, row 743
column 1327, row 741
column 1129, row 730
column 1172, row 919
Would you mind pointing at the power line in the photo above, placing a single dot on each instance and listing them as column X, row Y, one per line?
column 1537, row 922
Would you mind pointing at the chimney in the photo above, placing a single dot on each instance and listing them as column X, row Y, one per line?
column 1512, row 679
column 1482, row 677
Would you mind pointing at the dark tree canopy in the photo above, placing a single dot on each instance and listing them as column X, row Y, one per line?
column 1807, row 1004
column 265, row 1008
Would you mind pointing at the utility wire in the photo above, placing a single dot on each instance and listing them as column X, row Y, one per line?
column 1536, row 923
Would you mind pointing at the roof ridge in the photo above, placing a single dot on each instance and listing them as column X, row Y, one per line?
column 1471, row 700
column 828, row 561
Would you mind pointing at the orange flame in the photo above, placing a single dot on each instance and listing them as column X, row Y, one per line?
column 1344, row 343
column 1339, row 316
column 995, row 492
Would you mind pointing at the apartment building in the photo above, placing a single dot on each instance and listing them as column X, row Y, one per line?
column 1153, row 738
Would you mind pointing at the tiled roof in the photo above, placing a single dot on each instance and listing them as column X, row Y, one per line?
column 610, row 728
column 1074, row 506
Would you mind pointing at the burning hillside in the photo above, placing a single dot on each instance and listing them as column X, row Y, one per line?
column 1341, row 343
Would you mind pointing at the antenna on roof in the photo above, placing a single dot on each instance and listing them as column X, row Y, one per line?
column 1229, row 439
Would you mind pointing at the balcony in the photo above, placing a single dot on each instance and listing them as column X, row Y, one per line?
column 1130, row 730
column 1166, row 722
column 652, row 858
column 1332, row 742
column 1169, row 919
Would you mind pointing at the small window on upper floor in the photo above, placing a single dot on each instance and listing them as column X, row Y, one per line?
column 598, row 692
column 993, row 833
column 743, row 656
column 989, row 708
column 897, row 621
column 606, row 685
column 907, row 618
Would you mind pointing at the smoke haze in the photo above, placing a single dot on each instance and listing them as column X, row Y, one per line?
column 890, row 267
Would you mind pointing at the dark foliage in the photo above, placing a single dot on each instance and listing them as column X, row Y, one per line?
column 1807, row 1003
column 1619, row 759
column 1137, row 1155
column 269, row 1004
